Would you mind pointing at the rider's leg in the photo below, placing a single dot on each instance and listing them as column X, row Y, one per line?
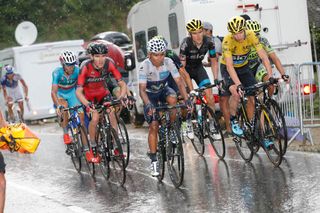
column 92, row 127
column 210, row 99
column 21, row 107
column 172, row 101
column 224, row 107
column 10, row 108
column 153, row 137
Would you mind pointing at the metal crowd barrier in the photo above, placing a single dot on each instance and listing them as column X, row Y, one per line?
column 301, row 110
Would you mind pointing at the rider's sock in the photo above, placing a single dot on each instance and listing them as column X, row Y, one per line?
column 65, row 130
column 153, row 157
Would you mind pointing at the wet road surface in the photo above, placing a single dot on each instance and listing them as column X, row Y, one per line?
column 47, row 182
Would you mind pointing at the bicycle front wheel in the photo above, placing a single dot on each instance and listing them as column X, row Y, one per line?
column 124, row 140
column 213, row 129
column 77, row 146
column 161, row 155
column 102, row 138
column 244, row 144
column 198, row 140
column 279, row 119
column 271, row 140
column 117, row 160
column 175, row 156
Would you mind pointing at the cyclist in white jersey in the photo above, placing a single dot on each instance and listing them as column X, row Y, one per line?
column 11, row 90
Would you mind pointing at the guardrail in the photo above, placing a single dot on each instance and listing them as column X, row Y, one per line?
column 300, row 102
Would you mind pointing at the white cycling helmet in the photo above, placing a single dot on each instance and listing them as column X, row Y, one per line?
column 156, row 45
column 8, row 69
column 68, row 58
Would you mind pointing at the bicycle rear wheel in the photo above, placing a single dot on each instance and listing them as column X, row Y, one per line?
column 279, row 119
column 198, row 141
column 175, row 156
column 117, row 162
column 244, row 144
column 217, row 145
column 270, row 132
column 124, row 140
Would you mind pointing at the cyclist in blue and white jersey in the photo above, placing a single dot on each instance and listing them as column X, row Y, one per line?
column 154, row 73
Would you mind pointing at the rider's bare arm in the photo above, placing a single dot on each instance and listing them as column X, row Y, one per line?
column 185, row 75
column 5, row 95
column 143, row 93
column 123, row 88
column 274, row 58
column 54, row 91
column 232, row 71
column 181, row 87
column 80, row 96
column 25, row 87
column 214, row 67
column 265, row 61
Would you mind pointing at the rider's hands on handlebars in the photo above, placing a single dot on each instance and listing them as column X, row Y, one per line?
column 150, row 108
column 240, row 89
column 285, row 77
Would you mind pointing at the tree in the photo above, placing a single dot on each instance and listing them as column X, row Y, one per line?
column 63, row 19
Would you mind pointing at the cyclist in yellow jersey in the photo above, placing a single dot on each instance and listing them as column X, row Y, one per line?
column 254, row 62
column 3, row 123
column 235, row 70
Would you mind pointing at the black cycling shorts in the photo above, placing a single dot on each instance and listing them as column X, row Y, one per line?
column 245, row 75
column 157, row 99
column 199, row 74
column 2, row 164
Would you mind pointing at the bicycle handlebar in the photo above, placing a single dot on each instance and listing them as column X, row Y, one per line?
column 260, row 85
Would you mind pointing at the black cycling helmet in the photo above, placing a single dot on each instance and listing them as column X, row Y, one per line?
column 97, row 48
column 245, row 17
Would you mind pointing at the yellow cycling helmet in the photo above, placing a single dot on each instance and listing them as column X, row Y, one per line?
column 236, row 24
column 194, row 25
column 253, row 25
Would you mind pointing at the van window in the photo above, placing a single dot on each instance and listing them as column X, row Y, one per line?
column 152, row 32
column 173, row 28
column 141, row 45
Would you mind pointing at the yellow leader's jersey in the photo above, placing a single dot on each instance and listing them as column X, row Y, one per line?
column 239, row 51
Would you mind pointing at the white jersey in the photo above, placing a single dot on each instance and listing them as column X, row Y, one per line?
column 157, row 78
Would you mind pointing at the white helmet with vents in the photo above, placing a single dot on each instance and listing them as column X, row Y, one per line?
column 156, row 45
column 68, row 58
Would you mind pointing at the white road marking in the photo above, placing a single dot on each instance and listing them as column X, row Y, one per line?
column 75, row 209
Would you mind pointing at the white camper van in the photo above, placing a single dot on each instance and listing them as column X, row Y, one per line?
column 285, row 24
column 35, row 63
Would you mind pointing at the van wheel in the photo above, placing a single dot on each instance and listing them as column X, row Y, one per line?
column 136, row 119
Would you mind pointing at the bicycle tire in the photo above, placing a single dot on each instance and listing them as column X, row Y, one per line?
column 276, row 111
column 198, row 141
column 116, row 163
column 175, row 156
column 102, row 146
column 244, row 144
column 76, row 153
column 124, row 140
column 269, row 130
column 218, row 145
column 161, row 156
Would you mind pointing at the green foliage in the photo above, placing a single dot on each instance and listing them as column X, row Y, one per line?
column 63, row 19
column 316, row 33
